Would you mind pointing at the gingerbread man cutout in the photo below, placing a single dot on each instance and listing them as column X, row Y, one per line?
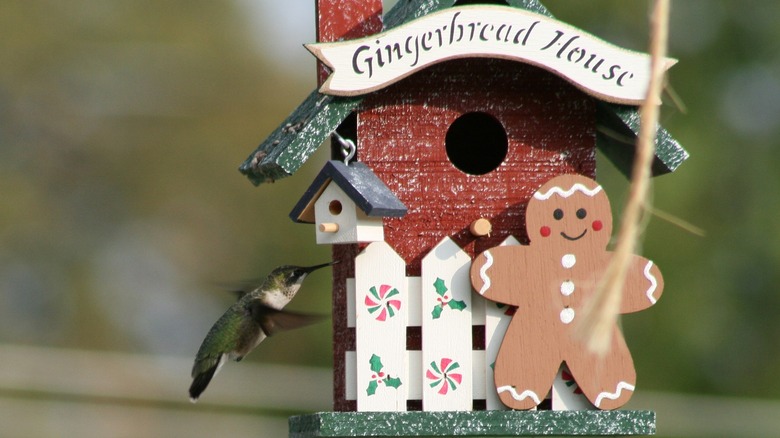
column 569, row 223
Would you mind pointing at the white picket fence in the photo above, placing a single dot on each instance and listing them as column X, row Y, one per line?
column 447, row 374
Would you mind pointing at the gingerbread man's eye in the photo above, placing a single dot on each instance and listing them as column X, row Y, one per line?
column 581, row 213
column 558, row 214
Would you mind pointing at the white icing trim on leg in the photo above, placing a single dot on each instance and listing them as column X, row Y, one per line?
column 519, row 397
column 614, row 395
column 483, row 272
column 653, row 282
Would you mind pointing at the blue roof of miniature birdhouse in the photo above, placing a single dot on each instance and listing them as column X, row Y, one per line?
column 362, row 186
column 299, row 136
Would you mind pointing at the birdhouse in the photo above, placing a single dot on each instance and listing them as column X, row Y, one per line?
column 347, row 202
column 459, row 113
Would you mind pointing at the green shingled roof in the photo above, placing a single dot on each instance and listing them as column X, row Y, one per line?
column 296, row 139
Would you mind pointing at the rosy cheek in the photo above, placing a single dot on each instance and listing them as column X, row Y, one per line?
column 597, row 225
column 545, row 231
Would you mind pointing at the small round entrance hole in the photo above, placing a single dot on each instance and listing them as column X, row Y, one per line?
column 335, row 207
column 476, row 143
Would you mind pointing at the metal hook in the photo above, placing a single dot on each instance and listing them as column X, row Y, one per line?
column 348, row 147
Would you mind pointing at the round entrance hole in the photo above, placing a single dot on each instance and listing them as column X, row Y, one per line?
column 476, row 143
column 335, row 207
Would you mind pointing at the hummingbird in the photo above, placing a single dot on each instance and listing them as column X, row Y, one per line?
column 256, row 315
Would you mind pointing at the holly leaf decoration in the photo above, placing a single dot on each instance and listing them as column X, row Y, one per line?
column 437, row 309
column 441, row 288
column 376, row 363
column 393, row 382
column 456, row 304
column 372, row 386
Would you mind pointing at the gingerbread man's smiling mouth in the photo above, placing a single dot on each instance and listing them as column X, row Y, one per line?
column 566, row 236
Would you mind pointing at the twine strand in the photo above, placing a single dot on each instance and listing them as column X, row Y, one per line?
column 600, row 316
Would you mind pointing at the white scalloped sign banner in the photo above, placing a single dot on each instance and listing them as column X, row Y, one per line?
column 599, row 68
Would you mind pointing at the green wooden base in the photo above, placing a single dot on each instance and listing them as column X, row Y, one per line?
column 476, row 423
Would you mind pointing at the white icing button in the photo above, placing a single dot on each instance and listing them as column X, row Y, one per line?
column 567, row 287
column 567, row 315
column 568, row 261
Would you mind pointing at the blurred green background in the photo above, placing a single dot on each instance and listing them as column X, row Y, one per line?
column 122, row 124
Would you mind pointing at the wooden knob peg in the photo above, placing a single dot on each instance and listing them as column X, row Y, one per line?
column 481, row 227
column 329, row 227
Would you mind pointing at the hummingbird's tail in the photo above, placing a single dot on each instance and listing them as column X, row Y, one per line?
column 201, row 380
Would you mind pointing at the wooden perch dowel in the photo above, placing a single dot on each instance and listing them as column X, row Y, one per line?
column 481, row 227
column 329, row 227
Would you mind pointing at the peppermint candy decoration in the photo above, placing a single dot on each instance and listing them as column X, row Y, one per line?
column 379, row 303
column 442, row 375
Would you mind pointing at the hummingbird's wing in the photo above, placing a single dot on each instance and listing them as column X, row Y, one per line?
column 273, row 321
column 239, row 293
column 239, row 288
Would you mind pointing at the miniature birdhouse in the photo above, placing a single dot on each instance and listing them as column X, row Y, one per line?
column 347, row 202
column 460, row 113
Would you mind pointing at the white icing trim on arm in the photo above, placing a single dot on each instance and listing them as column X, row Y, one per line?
column 483, row 272
column 653, row 282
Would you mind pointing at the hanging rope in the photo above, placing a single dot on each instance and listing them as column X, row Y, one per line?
column 601, row 313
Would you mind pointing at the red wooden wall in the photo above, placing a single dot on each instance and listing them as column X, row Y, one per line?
column 346, row 20
column 550, row 128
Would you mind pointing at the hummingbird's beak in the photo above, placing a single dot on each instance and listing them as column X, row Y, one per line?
column 310, row 269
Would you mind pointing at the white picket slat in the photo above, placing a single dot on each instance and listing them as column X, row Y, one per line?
column 381, row 305
column 446, row 329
